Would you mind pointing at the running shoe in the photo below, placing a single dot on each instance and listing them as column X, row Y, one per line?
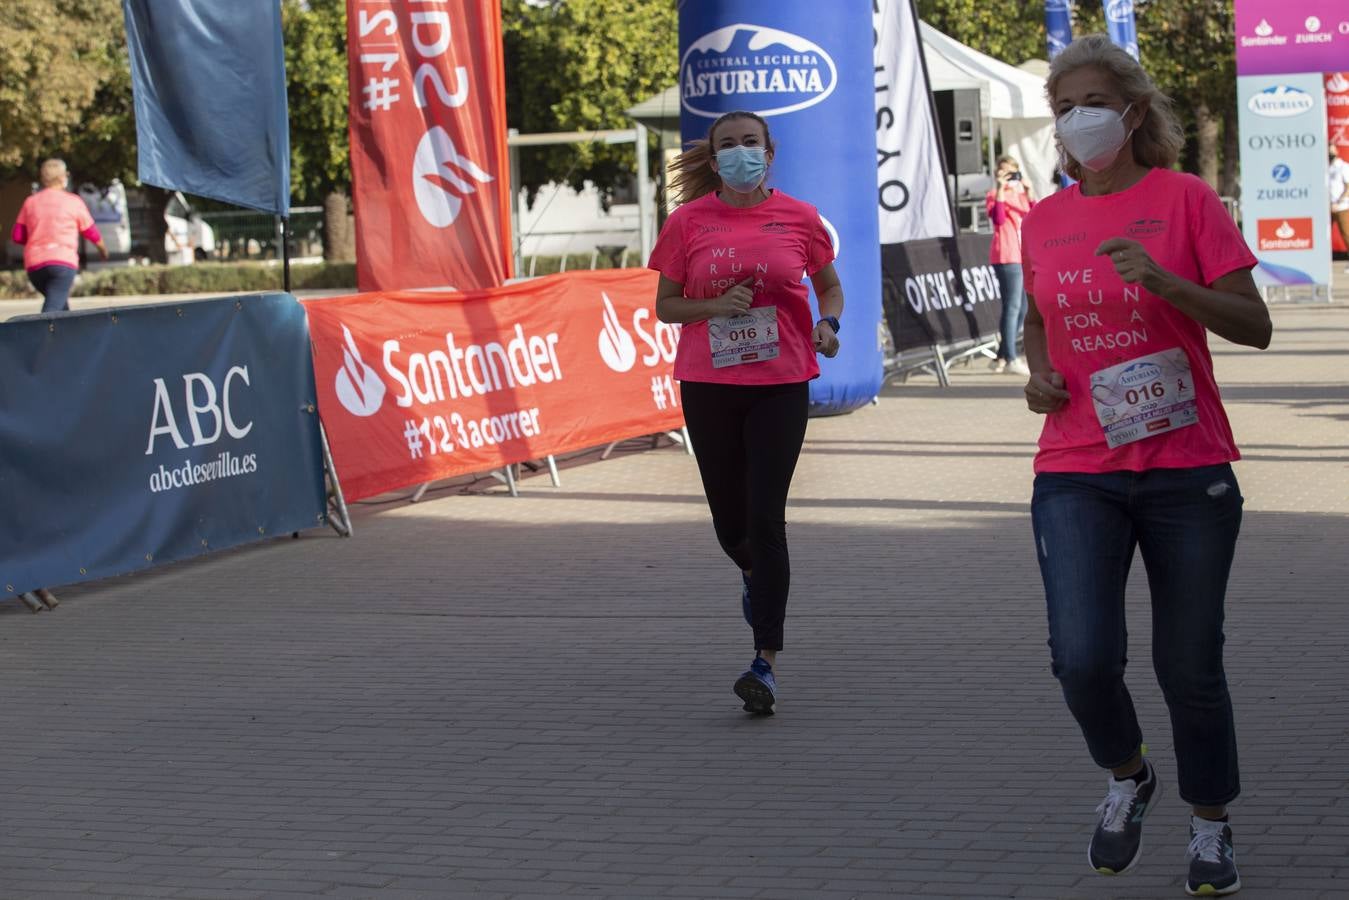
column 1017, row 367
column 1213, row 860
column 1117, row 844
column 744, row 600
column 757, row 688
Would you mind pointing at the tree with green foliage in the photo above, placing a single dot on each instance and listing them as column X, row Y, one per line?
column 576, row 65
column 315, row 36
column 1186, row 45
column 1011, row 32
column 55, row 57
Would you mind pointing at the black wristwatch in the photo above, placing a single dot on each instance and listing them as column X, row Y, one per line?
column 833, row 322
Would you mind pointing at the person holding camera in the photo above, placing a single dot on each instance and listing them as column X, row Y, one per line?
column 731, row 260
column 1007, row 204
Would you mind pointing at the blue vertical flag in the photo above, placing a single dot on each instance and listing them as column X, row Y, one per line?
column 810, row 74
column 1119, row 24
column 1058, row 25
column 209, row 81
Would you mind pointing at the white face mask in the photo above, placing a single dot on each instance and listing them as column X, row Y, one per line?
column 1092, row 135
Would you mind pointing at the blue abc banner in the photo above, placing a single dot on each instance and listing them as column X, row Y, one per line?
column 138, row 436
column 809, row 72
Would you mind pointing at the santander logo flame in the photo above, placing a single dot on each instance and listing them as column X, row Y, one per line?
column 359, row 387
column 436, row 180
column 616, row 347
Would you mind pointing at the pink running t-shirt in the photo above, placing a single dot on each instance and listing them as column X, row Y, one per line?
column 709, row 246
column 1094, row 321
column 50, row 224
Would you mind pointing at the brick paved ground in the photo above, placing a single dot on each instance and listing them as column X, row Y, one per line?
column 480, row 696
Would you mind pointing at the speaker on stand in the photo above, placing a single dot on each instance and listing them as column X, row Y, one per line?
column 960, row 124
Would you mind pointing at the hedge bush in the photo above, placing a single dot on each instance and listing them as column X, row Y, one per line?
column 202, row 278
column 224, row 278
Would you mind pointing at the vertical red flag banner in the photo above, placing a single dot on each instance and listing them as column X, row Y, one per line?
column 429, row 163
column 416, row 386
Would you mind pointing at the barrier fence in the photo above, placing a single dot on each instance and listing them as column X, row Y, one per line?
column 144, row 435
column 941, row 299
column 139, row 436
column 415, row 387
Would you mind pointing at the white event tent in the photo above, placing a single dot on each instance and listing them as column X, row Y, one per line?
column 1012, row 101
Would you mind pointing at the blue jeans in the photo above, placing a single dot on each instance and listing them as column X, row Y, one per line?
column 54, row 284
column 1185, row 522
column 1012, row 285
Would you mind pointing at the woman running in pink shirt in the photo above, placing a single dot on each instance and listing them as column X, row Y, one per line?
column 732, row 260
column 49, row 227
column 1128, row 271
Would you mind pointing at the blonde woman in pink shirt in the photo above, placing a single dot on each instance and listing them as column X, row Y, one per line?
column 1007, row 204
column 1128, row 270
column 49, row 227
column 731, row 260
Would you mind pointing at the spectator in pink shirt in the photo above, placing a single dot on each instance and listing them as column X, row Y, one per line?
column 1007, row 205
column 49, row 227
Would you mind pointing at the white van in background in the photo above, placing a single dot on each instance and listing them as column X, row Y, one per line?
column 187, row 239
column 108, row 206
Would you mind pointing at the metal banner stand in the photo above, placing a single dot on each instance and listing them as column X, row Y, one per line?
column 505, row 475
column 339, row 517
column 680, row 438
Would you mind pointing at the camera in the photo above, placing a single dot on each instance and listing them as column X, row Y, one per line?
column 1013, row 176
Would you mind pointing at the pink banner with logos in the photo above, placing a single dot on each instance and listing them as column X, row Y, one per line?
column 1275, row 37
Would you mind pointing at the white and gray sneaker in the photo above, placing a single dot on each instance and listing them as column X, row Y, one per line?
column 1117, row 844
column 1213, row 860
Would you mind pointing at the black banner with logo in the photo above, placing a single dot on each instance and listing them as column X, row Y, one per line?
column 138, row 436
column 940, row 291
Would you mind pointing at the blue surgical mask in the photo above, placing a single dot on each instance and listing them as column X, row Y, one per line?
column 742, row 169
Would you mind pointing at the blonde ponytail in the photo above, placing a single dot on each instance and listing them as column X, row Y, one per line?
column 692, row 176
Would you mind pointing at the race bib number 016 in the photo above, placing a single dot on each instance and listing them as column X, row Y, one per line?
column 748, row 338
column 1144, row 397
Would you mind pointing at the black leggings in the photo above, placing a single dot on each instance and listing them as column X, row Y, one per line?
column 747, row 439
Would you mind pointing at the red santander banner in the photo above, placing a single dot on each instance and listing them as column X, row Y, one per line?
column 429, row 164
column 414, row 386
